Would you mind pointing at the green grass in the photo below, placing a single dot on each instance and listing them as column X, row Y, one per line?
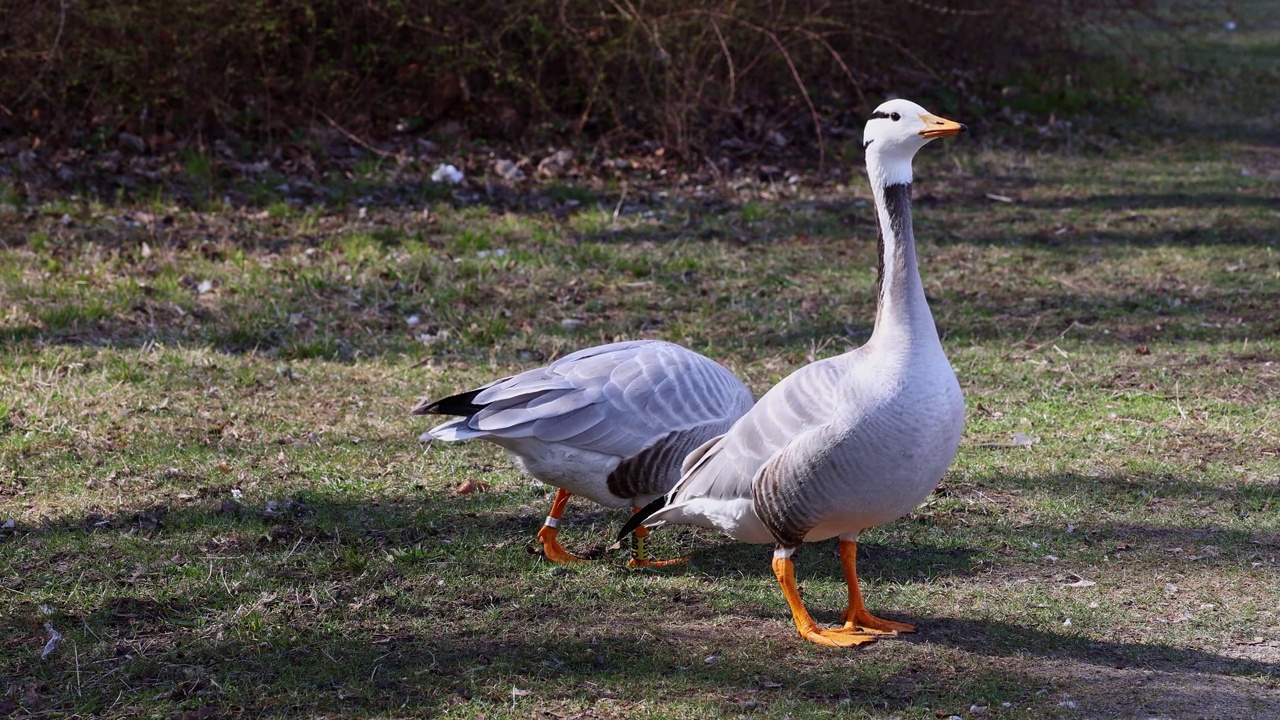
column 220, row 502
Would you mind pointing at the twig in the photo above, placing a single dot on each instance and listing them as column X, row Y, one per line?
column 795, row 74
column 57, row 40
column 821, row 40
column 618, row 208
column 946, row 10
column 1055, row 338
column 728, row 57
column 76, row 648
column 354, row 139
column 715, row 171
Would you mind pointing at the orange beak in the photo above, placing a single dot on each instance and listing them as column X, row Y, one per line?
column 936, row 127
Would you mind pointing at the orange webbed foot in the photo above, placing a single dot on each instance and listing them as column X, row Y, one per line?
column 552, row 549
column 838, row 637
column 808, row 629
column 856, row 617
column 866, row 622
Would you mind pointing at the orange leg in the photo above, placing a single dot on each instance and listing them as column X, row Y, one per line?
column 809, row 630
column 856, row 616
column 551, row 547
column 638, row 556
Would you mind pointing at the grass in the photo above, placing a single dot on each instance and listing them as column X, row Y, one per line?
column 219, row 501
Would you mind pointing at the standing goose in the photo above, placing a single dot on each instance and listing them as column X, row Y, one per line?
column 610, row 423
column 849, row 442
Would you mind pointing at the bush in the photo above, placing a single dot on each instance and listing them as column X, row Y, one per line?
column 678, row 72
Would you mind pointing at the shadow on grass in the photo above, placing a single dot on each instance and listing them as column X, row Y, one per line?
column 1135, row 489
column 312, row 614
column 1139, row 202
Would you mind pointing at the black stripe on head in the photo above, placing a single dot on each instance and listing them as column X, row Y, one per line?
column 879, row 115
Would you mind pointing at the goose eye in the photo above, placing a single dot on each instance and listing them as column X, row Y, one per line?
column 895, row 117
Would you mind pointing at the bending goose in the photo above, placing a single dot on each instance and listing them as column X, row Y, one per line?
column 849, row 442
column 610, row 423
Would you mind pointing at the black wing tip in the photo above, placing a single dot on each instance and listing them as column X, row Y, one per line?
column 640, row 516
column 462, row 405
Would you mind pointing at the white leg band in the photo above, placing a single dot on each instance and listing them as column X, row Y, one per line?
column 551, row 522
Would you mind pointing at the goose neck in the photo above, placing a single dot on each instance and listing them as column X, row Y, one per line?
column 900, row 303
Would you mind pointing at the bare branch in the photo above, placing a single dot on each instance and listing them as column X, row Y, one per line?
column 53, row 50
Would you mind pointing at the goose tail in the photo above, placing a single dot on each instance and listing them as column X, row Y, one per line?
column 462, row 404
column 641, row 515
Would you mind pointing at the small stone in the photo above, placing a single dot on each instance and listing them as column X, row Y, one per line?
column 508, row 170
column 133, row 142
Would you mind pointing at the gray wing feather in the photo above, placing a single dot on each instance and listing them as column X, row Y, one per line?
column 616, row 399
column 803, row 400
column 570, row 426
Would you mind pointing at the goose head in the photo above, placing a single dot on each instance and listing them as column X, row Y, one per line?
column 896, row 130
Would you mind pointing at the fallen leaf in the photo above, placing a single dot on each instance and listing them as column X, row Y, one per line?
column 32, row 699
column 999, row 198
column 472, row 486
column 1081, row 583
column 1256, row 640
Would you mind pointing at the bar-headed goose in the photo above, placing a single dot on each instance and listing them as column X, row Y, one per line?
column 610, row 423
column 849, row 442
